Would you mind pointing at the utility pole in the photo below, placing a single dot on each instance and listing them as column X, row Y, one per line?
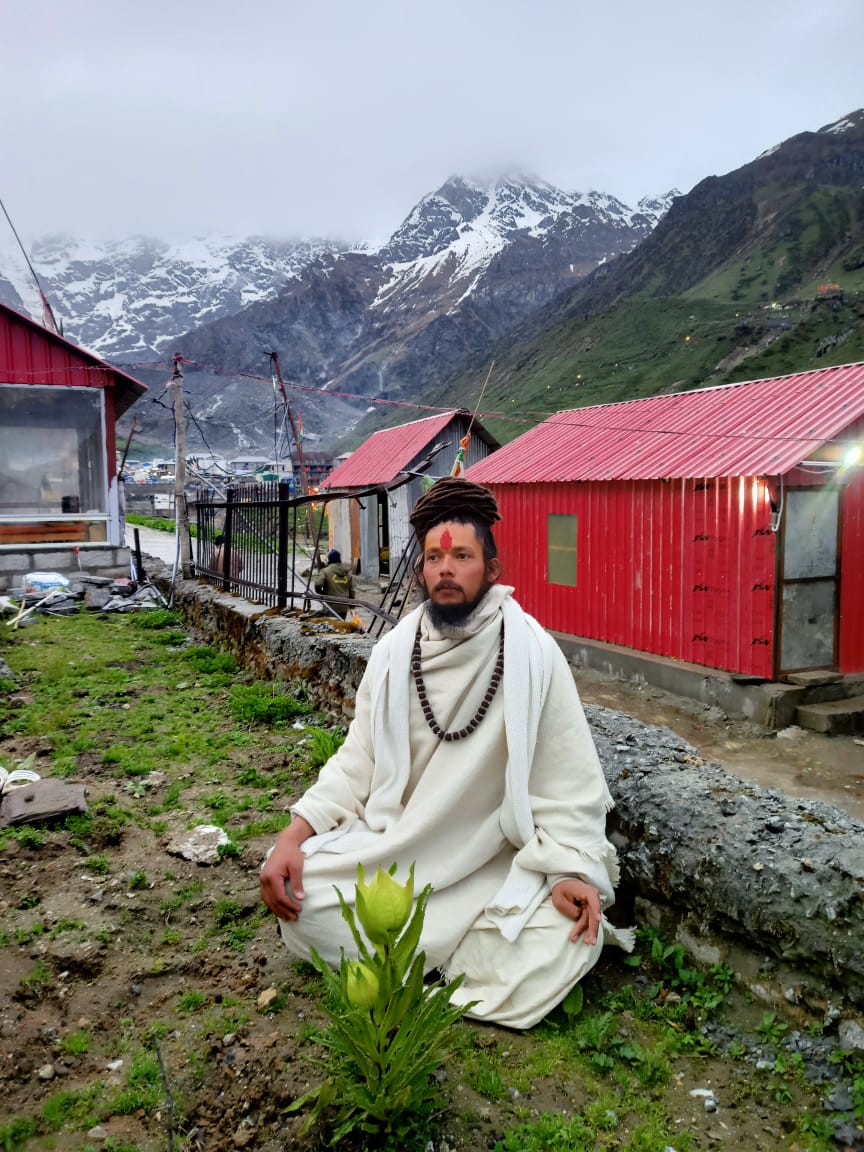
column 181, row 512
column 301, row 463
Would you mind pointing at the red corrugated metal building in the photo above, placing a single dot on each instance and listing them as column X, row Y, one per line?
column 374, row 529
column 723, row 527
column 58, row 408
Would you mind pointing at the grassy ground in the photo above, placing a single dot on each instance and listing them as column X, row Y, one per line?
column 145, row 1002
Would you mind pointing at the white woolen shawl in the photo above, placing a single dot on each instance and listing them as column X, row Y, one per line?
column 529, row 654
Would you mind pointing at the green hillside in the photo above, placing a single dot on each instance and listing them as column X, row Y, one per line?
column 789, row 298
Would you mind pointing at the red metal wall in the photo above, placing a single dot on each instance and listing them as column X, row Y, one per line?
column 681, row 568
column 29, row 357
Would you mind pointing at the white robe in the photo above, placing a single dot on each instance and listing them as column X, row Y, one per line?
column 492, row 821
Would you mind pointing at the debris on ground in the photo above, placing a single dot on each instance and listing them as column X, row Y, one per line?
column 99, row 593
column 38, row 583
column 200, row 845
column 37, row 801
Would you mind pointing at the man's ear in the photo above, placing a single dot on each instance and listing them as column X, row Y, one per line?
column 493, row 570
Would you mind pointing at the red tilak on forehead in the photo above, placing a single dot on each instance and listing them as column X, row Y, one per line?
column 446, row 541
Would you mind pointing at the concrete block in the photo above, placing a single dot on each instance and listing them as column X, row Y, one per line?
column 15, row 562
column 834, row 718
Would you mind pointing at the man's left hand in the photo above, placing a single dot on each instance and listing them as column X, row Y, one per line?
column 579, row 901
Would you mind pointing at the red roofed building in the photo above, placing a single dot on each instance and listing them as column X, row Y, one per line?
column 59, row 493
column 373, row 529
column 723, row 527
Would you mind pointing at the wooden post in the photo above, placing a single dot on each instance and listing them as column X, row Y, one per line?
column 181, row 512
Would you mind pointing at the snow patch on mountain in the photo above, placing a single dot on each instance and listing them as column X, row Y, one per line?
column 456, row 232
column 130, row 298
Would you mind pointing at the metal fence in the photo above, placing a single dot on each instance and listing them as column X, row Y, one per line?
column 272, row 543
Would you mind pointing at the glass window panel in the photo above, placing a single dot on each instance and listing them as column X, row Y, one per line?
column 52, row 451
column 561, row 549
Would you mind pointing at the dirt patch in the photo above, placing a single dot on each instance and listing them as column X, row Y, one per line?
column 130, row 978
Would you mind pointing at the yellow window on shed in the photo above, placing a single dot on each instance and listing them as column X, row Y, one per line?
column 561, row 549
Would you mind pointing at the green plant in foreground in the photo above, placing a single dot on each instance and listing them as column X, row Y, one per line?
column 263, row 703
column 324, row 744
column 388, row 1030
column 771, row 1029
column 17, row 1132
column 76, row 1043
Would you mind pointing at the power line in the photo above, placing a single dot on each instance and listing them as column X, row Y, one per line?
column 542, row 417
column 528, row 417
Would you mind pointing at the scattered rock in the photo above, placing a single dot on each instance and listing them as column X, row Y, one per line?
column 793, row 732
column 850, row 1035
column 267, row 997
column 97, row 1133
column 200, row 845
column 46, row 1072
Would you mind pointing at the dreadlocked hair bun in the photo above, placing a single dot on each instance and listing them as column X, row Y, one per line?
column 453, row 498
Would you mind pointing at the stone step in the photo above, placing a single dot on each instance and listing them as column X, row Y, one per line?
column 834, row 718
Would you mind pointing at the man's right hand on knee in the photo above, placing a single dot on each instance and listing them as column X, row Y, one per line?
column 282, row 874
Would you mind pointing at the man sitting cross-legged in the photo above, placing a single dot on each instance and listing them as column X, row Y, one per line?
column 470, row 756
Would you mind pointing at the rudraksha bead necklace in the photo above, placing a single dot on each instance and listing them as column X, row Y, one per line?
column 417, row 673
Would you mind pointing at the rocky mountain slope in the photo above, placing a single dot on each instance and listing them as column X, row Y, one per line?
column 130, row 299
column 755, row 273
column 468, row 263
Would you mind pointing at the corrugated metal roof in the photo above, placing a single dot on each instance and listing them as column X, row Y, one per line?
column 761, row 427
column 51, row 359
column 383, row 456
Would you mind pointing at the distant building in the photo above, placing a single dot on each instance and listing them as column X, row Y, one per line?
column 374, row 531
column 318, row 465
column 59, row 489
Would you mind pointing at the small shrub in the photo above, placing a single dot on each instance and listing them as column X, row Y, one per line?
column 156, row 618
column 389, row 1032
column 76, row 1043
column 143, row 1086
column 17, row 1132
column 262, row 703
column 324, row 744
column 28, row 836
column 191, row 1001
column 771, row 1029
column 206, row 661
column 227, row 911
column 35, row 985
column 76, row 1109
column 549, row 1132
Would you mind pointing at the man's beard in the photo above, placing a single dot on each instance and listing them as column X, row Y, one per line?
column 451, row 618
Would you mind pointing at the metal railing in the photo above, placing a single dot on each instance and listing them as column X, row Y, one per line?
column 271, row 547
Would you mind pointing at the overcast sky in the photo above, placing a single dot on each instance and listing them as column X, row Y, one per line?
column 333, row 117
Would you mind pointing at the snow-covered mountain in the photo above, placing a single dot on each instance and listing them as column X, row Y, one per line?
column 469, row 262
column 129, row 299
column 454, row 236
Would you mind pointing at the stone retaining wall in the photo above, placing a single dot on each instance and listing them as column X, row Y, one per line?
column 770, row 885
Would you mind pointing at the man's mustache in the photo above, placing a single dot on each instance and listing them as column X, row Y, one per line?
column 448, row 586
